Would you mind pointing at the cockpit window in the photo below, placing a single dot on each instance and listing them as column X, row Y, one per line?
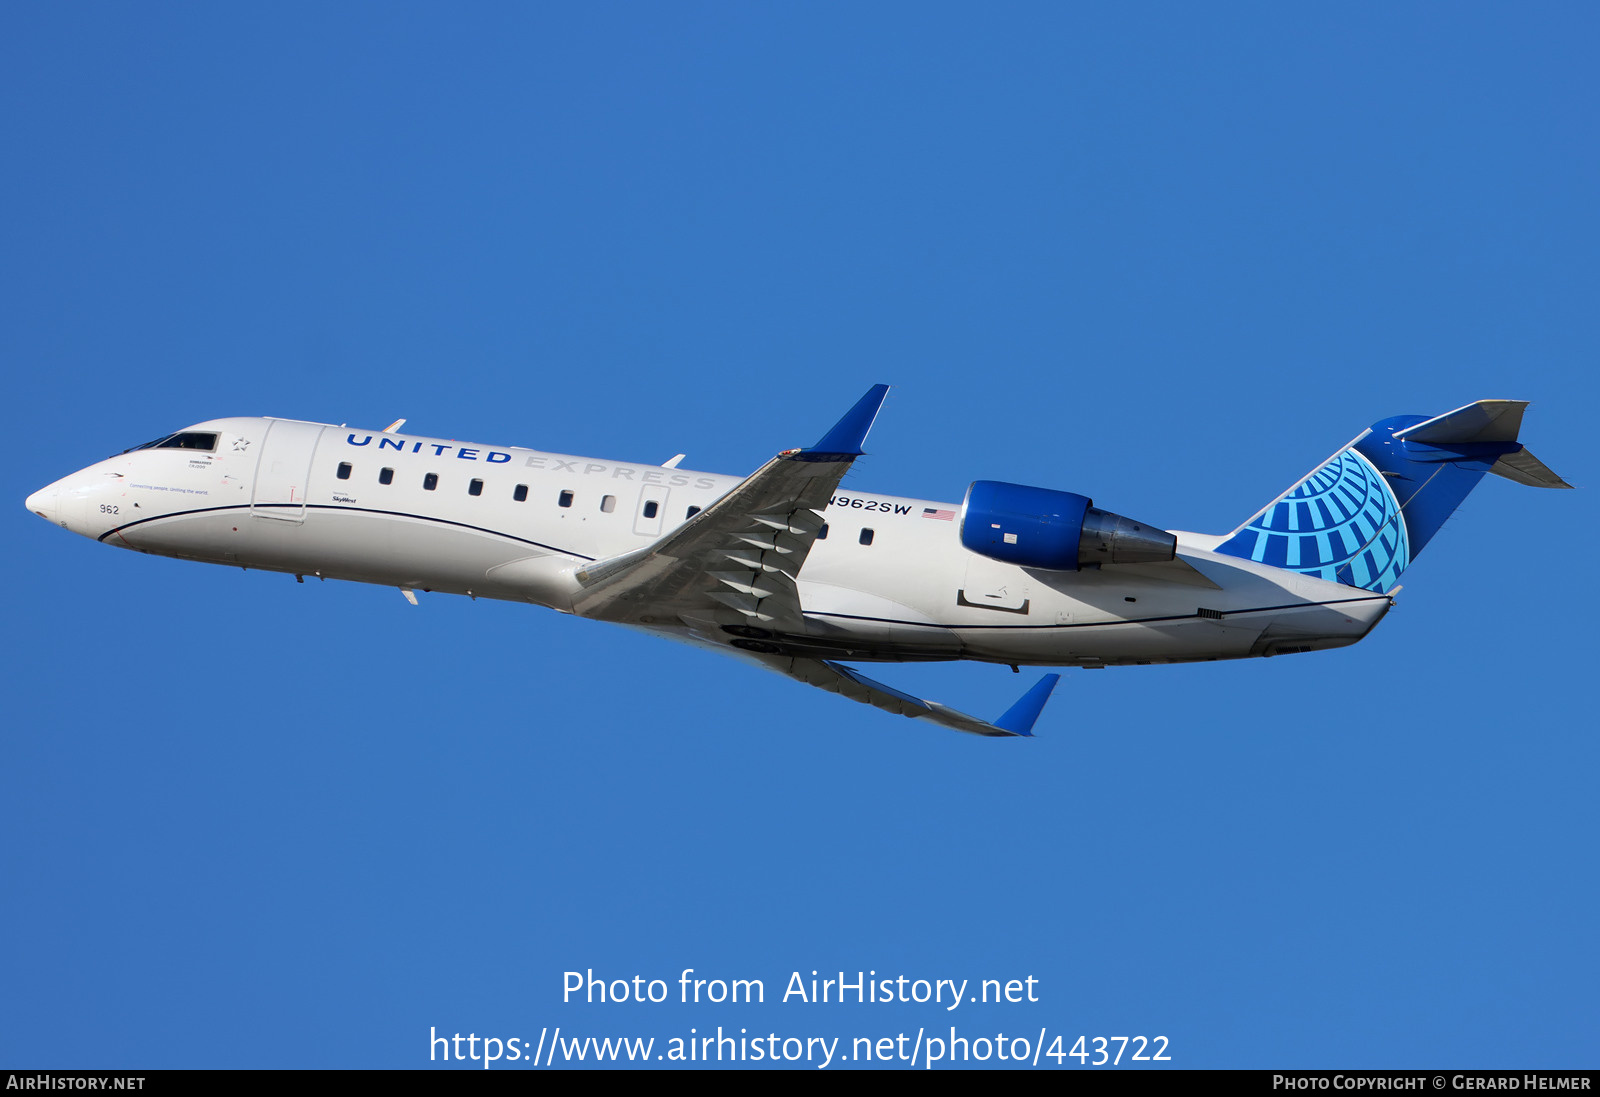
column 184, row 439
column 191, row 439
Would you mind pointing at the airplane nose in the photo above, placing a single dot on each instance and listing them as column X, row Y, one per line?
column 46, row 503
column 67, row 503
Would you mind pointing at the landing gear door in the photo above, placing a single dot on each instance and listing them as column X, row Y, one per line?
column 283, row 470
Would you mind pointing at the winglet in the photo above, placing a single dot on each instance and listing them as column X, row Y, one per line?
column 848, row 433
column 1020, row 717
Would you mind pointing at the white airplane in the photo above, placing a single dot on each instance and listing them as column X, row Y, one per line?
column 787, row 569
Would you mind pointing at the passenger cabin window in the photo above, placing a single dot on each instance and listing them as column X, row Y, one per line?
column 521, row 494
column 344, row 470
column 430, row 481
column 691, row 513
column 565, row 499
column 475, row 488
column 822, row 534
column 608, row 504
column 866, row 537
column 651, row 509
column 386, row 476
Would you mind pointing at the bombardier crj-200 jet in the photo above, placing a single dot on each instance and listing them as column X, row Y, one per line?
column 786, row 568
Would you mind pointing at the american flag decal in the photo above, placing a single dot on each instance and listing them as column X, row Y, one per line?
column 941, row 515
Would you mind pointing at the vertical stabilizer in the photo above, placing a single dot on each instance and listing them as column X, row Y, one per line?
column 1364, row 514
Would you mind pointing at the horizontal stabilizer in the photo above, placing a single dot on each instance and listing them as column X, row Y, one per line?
column 1483, row 421
column 1487, row 421
column 1523, row 467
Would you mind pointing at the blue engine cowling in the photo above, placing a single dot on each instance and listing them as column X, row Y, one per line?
column 1054, row 530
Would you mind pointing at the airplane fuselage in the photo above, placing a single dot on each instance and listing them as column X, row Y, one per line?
column 888, row 581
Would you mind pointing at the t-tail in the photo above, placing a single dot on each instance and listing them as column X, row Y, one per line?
column 1364, row 514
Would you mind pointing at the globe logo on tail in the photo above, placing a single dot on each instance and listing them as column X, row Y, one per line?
column 1342, row 523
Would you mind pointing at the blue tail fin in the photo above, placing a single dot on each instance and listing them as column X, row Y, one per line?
column 1363, row 515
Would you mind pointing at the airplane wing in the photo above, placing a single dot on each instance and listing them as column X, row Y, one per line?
column 732, row 567
column 1018, row 720
column 735, row 562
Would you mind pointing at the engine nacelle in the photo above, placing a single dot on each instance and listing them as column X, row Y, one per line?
column 1054, row 530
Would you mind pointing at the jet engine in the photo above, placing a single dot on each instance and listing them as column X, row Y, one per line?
column 1054, row 530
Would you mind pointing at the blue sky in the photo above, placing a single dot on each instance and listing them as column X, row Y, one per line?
column 1169, row 256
